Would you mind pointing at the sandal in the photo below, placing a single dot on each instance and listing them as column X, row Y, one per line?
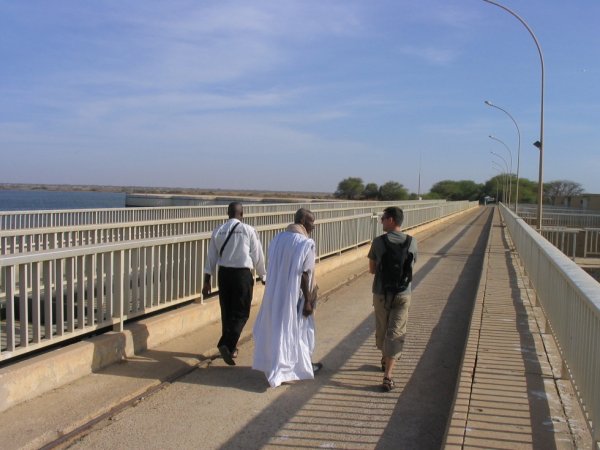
column 388, row 384
column 316, row 367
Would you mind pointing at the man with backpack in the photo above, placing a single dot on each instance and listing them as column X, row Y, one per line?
column 391, row 259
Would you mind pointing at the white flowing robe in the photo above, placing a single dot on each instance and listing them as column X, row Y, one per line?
column 284, row 339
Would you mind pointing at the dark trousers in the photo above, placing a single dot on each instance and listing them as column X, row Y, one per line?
column 235, row 298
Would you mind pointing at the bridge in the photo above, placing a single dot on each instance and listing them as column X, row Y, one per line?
column 502, row 345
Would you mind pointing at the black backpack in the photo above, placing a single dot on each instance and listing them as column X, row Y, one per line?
column 396, row 265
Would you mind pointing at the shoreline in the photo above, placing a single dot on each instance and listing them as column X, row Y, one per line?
column 161, row 190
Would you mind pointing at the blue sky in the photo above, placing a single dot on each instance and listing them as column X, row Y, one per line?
column 294, row 95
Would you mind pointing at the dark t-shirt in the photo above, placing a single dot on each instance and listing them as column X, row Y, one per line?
column 377, row 250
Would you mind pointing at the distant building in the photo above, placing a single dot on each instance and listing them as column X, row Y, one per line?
column 583, row 201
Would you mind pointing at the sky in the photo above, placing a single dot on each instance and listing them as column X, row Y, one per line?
column 289, row 95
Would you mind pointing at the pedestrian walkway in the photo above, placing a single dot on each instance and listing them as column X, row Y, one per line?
column 178, row 396
column 510, row 392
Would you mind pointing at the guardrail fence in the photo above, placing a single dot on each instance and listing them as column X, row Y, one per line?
column 572, row 219
column 592, row 242
column 44, row 238
column 18, row 220
column 571, row 301
column 50, row 294
column 565, row 239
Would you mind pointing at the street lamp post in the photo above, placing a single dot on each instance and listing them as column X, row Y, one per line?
column 497, row 167
column 510, row 170
column 419, row 186
column 506, row 172
column 496, row 190
column 487, row 102
column 541, row 140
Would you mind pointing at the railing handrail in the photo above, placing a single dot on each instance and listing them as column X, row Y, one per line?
column 109, row 225
column 69, row 252
column 85, row 250
column 71, row 217
column 37, row 239
column 61, row 293
column 571, row 301
column 555, row 209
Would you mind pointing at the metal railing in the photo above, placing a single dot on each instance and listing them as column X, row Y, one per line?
column 563, row 219
column 591, row 245
column 564, row 239
column 571, row 301
column 59, row 294
column 38, row 239
column 52, row 295
column 529, row 208
column 14, row 220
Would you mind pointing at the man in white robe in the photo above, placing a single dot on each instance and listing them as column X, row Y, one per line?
column 284, row 331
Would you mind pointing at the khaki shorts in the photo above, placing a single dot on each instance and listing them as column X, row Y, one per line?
column 391, row 318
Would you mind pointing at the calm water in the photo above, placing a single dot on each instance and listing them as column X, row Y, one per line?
column 38, row 200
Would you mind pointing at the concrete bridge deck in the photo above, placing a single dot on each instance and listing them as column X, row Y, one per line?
column 509, row 392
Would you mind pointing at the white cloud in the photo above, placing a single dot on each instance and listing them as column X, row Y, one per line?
column 447, row 13
column 176, row 103
column 433, row 55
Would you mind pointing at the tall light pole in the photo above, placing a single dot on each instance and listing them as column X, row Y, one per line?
column 510, row 170
column 496, row 190
column 487, row 102
column 500, row 171
column 540, row 143
column 419, row 186
column 506, row 172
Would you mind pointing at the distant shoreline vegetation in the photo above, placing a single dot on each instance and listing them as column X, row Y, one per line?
column 161, row 190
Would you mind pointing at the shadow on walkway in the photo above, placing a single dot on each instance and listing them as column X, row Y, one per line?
column 345, row 407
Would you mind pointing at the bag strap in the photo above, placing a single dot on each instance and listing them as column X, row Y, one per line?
column 387, row 243
column 227, row 239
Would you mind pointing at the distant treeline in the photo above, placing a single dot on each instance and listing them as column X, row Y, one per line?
column 502, row 187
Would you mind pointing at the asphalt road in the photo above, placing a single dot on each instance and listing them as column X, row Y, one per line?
column 222, row 407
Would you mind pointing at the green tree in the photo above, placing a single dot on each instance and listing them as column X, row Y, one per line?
column 444, row 189
column 393, row 191
column 494, row 187
column 527, row 189
column 371, row 191
column 469, row 190
column 432, row 196
column 350, row 188
column 553, row 190
column 458, row 190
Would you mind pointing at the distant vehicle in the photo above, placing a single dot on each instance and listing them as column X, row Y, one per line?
column 487, row 199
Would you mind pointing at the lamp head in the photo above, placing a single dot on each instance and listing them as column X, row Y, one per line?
column 487, row 102
column 538, row 144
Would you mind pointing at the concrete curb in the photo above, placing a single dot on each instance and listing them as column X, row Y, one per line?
column 455, row 429
column 28, row 379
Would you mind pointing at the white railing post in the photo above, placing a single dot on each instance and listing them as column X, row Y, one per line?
column 119, row 294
